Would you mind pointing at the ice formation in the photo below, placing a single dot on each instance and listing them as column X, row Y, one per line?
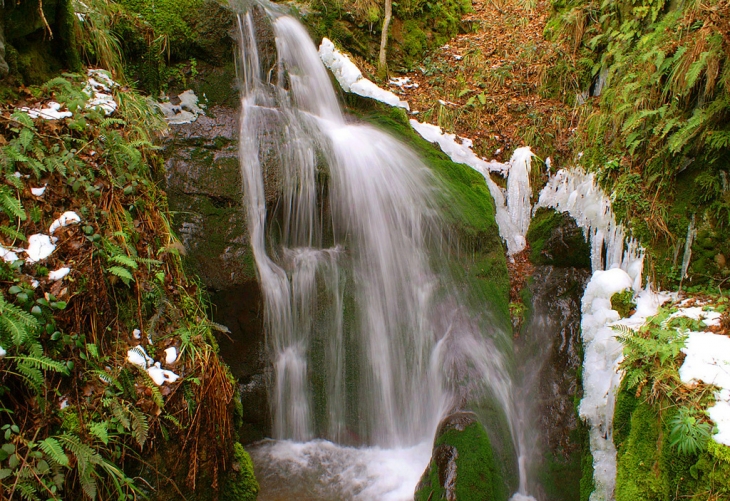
column 67, row 218
column 619, row 267
column 351, row 79
column 519, row 192
column 39, row 247
column 185, row 112
column 576, row 192
column 58, row 274
column 708, row 360
column 513, row 214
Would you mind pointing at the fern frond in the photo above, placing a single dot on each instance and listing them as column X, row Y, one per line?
column 140, row 427
column 54, row 451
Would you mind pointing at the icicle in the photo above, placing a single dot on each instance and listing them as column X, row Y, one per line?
column 691, row 234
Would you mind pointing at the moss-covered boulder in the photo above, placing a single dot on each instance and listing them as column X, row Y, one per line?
column 555, row 239
column 241, row 485
column 650, row 468
column 462, row 465
column 36, row 44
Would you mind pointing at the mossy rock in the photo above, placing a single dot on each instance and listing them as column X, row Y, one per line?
column 32, row 57
column 650, row 468
column 241, row 484
column 462, row 465
column 555, row 239
column 468, row 210
column 623, row 303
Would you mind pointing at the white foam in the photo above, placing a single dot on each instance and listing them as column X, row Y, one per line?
column 360, row 474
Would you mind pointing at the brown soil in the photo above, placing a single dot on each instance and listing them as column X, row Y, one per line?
column 492, row 80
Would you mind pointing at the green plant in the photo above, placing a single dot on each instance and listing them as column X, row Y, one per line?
column 689, row 434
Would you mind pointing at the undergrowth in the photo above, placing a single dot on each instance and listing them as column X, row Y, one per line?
column 657, row 131
column 77, row 420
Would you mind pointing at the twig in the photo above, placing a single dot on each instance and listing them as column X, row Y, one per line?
column 43, row 17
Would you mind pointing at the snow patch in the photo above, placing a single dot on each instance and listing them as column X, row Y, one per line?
column 707, row 317
column 50, row 112
column 67, row 218
column 38, row 192
column 137, row 334
column 187, row 111
column 351, row 79
column 99, row 87
column 708, row 360
column 161, row 376
column 170, row 355
column 2, row 352
column 39, row 247
column 58, row 274
column 139, row 357
column 8, row 255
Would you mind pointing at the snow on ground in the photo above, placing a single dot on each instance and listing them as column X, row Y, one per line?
column 350, row 77
column 58, row 274
column 139, row 357
column 38, row 192
column 99, row 85
column 39, row 247
column 67, row 218
column 708, row 360
column 185, row 112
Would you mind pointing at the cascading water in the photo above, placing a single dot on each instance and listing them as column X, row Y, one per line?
column 370, row 345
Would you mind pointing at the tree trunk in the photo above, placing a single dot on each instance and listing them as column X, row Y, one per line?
column 382, row 67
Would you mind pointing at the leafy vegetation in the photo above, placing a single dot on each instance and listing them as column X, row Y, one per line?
column 657, row 135
column 78, row 421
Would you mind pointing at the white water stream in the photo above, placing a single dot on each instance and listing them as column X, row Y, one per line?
column 371, row 345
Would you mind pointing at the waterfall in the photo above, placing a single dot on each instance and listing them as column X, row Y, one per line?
column 370, row 343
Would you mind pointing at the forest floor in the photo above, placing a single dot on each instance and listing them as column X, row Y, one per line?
column 489, row 84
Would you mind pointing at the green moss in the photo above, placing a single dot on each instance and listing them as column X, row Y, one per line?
column 650, row 468
column 468, row 210
column 477, row 474
column 623, row 302
column 568, row 248
column 66, row 22
column 241, row 484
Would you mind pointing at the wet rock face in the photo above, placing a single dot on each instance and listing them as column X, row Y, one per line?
column 205, row 194
column 551, row 354
column 555, row 239
column 4, row 68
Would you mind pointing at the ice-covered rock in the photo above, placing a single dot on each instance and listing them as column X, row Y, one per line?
column 351, row 79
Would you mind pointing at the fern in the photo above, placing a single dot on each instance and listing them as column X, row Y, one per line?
column 124, row 260
column 11, row 205
column 54, row 451
column 122, row 273
column 13, row 233
column 100, row 431
column 140, row 428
